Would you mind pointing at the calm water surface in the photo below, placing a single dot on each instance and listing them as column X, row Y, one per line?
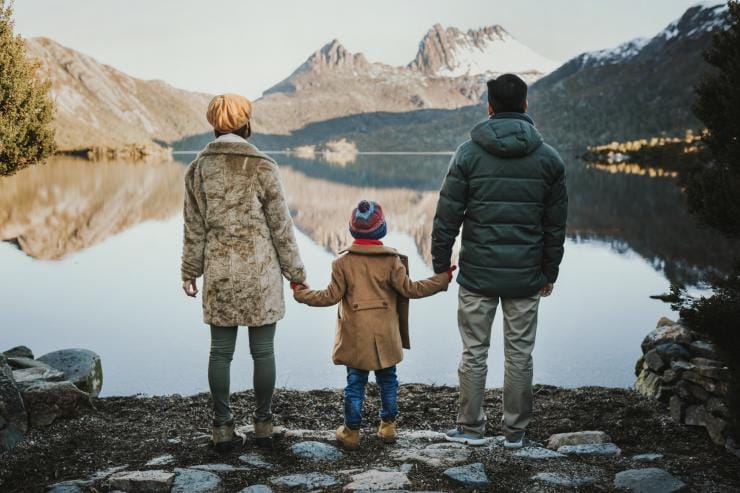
column 91, row 259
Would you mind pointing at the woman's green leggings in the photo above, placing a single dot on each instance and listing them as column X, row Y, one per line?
column 261, row 345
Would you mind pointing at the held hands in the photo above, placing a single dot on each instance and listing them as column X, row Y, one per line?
column 547, row 290
column 190, row 287
column 295, row 286
column 452, row 269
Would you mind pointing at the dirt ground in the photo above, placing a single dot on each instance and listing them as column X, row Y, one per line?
column 133, row 430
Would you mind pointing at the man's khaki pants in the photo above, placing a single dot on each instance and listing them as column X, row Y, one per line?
column 475, row 317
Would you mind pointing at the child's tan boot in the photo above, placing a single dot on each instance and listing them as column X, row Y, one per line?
column 387, row 431
column 348, row 438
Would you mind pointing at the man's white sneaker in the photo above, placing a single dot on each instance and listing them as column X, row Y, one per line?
column 514, row 445
column 458, row 435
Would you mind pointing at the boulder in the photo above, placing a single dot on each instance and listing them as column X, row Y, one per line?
column 648, row 384
column 716, row 427
column 577, row 438
column 81, row 366
column 316, row 451
column 670, row 351
column 677, row 406
column 38, row 373
column 13, row 415
column 19, row 352
column 603, row 449
column 711, row 368
column 707, row 383
column 675, row 333
column 640, row 365
column 649, row 480
column 378, row 480
column 669, row 376
column 47, row 401
column 309, row 481
column 704, row 349
column 653, row 360
column 256, row 460
column 23, row 363
column 162, row 460
column 142, row 481
column 194, row 481
column 469, row 476
column 717, row 406
column 558, row 479
column 681, row 366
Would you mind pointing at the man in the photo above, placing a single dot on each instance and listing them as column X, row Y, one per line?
column 506, row 187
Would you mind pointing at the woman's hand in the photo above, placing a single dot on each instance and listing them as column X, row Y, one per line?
column 294, row 285
column 190, row 287
column 452, row 269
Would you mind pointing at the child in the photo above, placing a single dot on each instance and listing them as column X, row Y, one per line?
column 373, row 285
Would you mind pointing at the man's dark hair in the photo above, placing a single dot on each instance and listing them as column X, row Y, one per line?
column 507, row 93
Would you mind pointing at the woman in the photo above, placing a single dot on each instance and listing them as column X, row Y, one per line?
column 239, row 236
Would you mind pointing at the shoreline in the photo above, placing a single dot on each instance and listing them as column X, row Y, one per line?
column 133, row 430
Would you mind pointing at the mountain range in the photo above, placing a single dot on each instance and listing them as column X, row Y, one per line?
column 640, row 88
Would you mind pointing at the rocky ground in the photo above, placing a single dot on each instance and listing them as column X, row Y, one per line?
column 97, row 451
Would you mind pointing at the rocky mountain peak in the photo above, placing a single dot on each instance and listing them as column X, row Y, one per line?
column 332, row 56
column 490, row 49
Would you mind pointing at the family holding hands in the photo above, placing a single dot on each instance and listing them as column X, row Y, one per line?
column 504, row 186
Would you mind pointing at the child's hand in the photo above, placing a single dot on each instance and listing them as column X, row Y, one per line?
column 452, row 269
column 295, row 286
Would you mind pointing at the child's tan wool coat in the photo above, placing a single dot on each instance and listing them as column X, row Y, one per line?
column 238, row 235
column 373, row 286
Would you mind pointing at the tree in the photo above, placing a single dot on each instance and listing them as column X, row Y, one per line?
column 26, row 110
column 714, row 197
column 713, row 194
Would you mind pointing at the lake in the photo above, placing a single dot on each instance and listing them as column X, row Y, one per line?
column 91, row 255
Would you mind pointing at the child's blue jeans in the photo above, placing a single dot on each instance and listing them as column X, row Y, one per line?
column 354, row 394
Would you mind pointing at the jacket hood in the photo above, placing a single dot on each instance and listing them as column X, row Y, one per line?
column 228, row 147
column 370, row 250
column 507, row 135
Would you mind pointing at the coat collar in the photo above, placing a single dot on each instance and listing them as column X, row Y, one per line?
column 243, row 148
column 370, row 250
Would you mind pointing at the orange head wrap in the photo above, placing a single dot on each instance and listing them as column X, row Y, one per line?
column 229, row 112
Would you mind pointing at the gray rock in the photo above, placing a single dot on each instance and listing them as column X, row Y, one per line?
column 20, row 363
column 718, row 406
column 374, row 480
column 469, row 476
column 13, row 415
column 577, row 438
column 194, row 481
column 675, row 333
column 436, row 455
column 608, row 449
column 681, row 366
column 653, row 361
column 649, row 480
column 537, row 453
column 559, row 479
column 406, row 468
column 695, row 415
column 670, row 351
column 648, row 384
column 218, row 468
column 704, row 349
column 19, row 352
column 255, row 460
column 256, row 488
column 309, row 481
column 647, row 457
column 316, row 451
column 47, row 401
column 162, row 460
column 81, row 366
column 142, row 481
column 64, row 488
column 717, row 428
column 89, row 481
column 38, row 373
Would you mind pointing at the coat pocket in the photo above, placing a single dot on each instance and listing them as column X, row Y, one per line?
column 369, row 305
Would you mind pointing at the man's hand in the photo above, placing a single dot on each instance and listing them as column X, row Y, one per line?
column 190, row 287
column 547, row 290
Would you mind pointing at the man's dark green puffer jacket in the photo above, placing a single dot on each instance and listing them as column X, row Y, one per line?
column 507, row 189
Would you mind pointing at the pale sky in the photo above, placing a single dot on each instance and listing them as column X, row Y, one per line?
column 246, row 46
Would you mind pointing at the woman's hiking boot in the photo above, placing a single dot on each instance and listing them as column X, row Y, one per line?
column 387, row 431
column 223, row 435
column 348, row 438
column 263, row 432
